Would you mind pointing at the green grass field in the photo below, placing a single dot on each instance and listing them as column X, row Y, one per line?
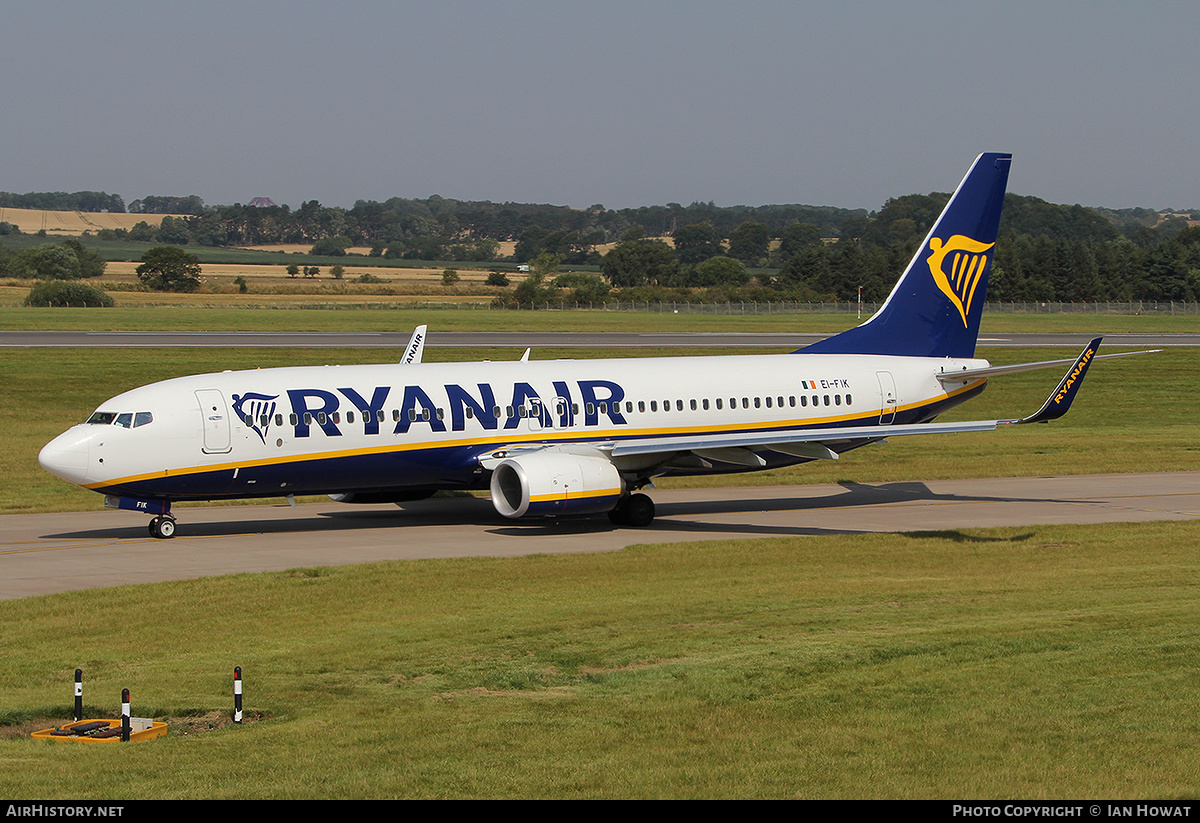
column 1038, row 662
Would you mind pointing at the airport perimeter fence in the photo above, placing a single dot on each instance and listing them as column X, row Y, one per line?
column 1164, row 307
column 864, row 310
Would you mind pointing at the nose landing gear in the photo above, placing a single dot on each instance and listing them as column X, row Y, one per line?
column 162, row 527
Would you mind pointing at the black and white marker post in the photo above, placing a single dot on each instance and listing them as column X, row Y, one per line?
column 237, row 694
column 124, row 715
column 78, row 695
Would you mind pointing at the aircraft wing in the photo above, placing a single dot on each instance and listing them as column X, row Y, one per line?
column 814, row 443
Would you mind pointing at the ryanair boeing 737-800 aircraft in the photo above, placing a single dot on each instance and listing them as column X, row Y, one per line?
column 564, row 437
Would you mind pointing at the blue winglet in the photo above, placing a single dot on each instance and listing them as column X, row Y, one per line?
column 1060, row 399
column 934, row 309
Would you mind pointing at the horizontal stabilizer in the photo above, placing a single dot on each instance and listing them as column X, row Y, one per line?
column 995, row 371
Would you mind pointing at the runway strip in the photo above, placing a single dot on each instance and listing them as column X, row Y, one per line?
column 45, row 553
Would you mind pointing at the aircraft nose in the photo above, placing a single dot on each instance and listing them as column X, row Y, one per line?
column 66, row 456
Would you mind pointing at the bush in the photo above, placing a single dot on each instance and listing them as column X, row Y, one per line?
column 66, row 293
column 332, row 246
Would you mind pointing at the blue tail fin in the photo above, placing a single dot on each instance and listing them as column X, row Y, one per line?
column 934, row 310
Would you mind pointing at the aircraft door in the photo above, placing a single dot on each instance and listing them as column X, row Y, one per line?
column 562, row 414
column 888, row 398
column 537, row 417
column 214, row 415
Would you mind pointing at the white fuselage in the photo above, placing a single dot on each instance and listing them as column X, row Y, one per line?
column 339, row 429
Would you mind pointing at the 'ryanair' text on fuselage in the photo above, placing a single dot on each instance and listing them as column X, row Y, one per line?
column 319, row 408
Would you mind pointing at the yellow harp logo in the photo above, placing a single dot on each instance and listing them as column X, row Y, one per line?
column 967, row 260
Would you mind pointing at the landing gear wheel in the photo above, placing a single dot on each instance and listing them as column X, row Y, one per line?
column 635, row 510
column 639, row 510
column 162, row 527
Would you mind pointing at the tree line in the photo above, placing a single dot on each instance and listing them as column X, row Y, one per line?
column 1045, row 252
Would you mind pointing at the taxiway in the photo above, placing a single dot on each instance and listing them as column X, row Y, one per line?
column 45, row 553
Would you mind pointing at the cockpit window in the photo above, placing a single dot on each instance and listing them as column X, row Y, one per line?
column 126, row 420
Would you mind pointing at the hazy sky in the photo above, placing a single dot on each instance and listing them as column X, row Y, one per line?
column 622, row 103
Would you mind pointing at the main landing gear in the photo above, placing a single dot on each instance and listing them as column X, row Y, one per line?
column 633, row 510
column 162, row 527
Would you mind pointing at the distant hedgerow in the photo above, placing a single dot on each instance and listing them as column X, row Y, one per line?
column 67, row 293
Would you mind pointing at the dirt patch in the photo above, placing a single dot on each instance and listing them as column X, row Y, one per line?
column 191, row 724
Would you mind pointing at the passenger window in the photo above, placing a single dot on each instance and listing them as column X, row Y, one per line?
column 847, row 400
column 653, row 405
column 826, row 400
column 278, row 420
column 641, row 405
column 768, row 402
column 837, row 400
column 720, row 404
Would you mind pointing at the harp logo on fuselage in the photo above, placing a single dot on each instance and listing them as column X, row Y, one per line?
column 957, row 266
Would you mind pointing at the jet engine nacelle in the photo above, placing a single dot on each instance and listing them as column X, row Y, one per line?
column 555, row 483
